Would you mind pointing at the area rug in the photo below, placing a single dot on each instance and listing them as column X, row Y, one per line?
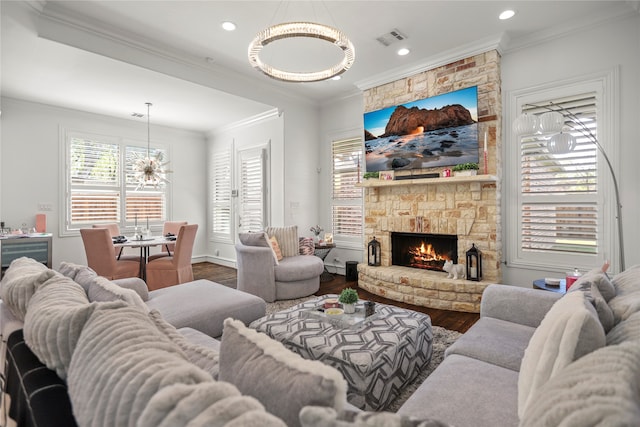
column 442, row 339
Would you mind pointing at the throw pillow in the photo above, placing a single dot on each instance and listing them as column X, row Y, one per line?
column 203, row 357
column 281, row 380
column 287, row 238
column 55, row 320
column 276, row 247
column 102, row 289
column 569, row 330
column 601, row 280
column 203, row 405
column 306, row 246
column 254, row 239
column 592, row 292
column 20, row 282
column 627, row 299
column 316, row 416
column 626, row 330
column 600, row 389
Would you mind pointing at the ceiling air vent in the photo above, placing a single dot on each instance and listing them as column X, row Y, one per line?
column 391, row 37
column 138, row 115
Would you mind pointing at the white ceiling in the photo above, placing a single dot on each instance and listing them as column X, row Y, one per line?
column 110, row 57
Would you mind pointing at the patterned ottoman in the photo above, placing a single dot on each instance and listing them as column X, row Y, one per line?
column 378, row 356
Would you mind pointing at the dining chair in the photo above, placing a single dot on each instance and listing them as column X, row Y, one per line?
column 169, row 227
column 114, row 230
column 101, row 255
column 175, row 269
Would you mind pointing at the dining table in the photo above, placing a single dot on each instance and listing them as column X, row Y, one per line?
column 144, row 244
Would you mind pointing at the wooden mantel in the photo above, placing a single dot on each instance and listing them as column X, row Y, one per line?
column 422, row 181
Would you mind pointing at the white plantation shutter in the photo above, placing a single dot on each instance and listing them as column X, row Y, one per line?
column 346, row 215
column 148, row 202
column 252, row 190
column 100, row 186
column 221, row 194
column 559, row 209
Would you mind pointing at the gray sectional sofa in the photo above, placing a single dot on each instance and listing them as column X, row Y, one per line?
column 538, row 358
column 533, row 359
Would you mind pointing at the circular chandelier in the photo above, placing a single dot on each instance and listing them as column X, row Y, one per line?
column 301, row 29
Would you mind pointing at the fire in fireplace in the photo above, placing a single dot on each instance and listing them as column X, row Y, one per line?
column 426, row 251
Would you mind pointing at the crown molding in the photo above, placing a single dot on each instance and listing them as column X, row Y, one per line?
column 62, row 25
column 248, row 121
column 497, row 42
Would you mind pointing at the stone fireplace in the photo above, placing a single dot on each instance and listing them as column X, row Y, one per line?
column 465, row 207
column 423, row 250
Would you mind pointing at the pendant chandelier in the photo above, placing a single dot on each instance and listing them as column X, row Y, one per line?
column 149, row 171
column 301, row 29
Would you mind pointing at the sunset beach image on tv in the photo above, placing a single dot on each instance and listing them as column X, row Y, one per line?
column 433, row 132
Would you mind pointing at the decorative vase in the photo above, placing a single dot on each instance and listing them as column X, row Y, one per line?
column 349, row 308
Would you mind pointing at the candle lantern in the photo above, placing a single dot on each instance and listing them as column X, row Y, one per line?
column 474, row 263
column 374, row 252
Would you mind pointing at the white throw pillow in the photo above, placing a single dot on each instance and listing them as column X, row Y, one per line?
column 287, row 239
column 280, row 379
column 20, row 282
column 102, row 289
column 570, row 330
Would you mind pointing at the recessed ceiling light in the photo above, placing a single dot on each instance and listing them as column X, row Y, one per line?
column 228, row 25
column 507, row 14
column 336, row 77
column 404, row 51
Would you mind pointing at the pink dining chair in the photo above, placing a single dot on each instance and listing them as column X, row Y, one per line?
column 114, row 230
column 101, row 255
column 169, row 227
column 175, row 269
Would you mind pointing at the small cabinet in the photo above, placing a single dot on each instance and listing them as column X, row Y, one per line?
column 37, row 247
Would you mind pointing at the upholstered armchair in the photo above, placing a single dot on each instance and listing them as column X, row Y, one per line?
column 261, row 273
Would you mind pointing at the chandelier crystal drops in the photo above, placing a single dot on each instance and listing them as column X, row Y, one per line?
column 301, row 29
column 149, row 171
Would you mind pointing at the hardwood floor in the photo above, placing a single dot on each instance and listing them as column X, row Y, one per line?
column 452, row 320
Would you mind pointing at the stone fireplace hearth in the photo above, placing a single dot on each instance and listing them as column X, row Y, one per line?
column 467, row 207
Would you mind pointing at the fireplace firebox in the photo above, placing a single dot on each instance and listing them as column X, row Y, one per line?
column 425, row 251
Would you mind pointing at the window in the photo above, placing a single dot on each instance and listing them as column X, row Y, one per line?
column 253, row 193
column 346, row 209
column 221, row 195
column 101, row 187
column 559, row 206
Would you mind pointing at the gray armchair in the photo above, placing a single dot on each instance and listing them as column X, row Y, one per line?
column 293, row 277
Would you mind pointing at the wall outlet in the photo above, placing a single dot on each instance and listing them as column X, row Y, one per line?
column 45, row 206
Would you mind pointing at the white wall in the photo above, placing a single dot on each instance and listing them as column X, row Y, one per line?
column 338, row 120
column 30, row 168
column 293, row 165
column 597, row 48
column 615, row 43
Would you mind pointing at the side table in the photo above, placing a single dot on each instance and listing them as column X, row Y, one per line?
column 321, row 251
column 541, row 284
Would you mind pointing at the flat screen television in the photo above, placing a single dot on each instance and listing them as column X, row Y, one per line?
column 433, row 132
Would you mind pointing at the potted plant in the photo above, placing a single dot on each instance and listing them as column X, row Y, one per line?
column 348, row 297
column 371, row 175
column 466, row 169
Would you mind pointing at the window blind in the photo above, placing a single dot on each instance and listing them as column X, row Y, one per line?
column 101, row 184
column 221, row 193
column 558, row 209
column 252, row 197
column 346, row 212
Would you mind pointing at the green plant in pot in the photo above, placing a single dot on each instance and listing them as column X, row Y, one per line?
column 348, row 298
column 371, row 175
column 466, row 169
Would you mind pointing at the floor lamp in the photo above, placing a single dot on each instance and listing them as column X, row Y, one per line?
column 561, row 142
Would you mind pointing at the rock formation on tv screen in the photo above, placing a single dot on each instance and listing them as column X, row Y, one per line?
column 407, row 121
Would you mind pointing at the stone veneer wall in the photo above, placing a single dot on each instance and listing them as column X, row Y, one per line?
column 470, row 209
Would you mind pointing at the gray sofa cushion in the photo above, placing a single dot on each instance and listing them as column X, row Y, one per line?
column 203, row 305
column 299, row 267
column 466, row 392
column 319, row 416
column 627, row 299
column 494, row 341
column 628, row 329
column 600, row 389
